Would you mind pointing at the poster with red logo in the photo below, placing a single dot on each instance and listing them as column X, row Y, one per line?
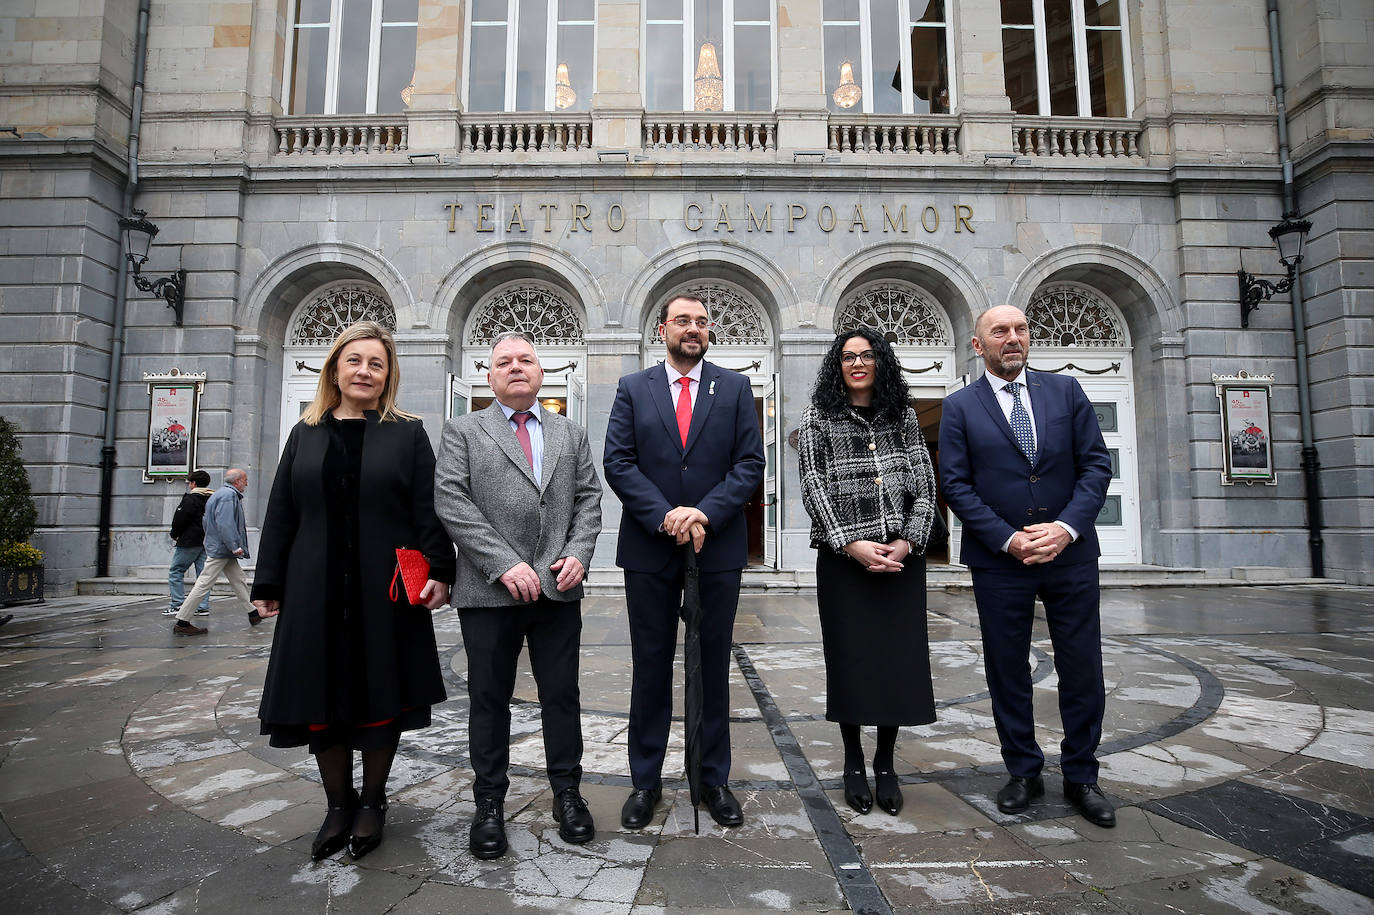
column 171, row 429
column 1248, row 446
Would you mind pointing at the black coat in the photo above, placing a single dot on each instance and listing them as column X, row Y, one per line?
column 396, row 509
column 188, row 528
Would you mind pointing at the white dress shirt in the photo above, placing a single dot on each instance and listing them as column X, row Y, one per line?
column 1004, row 400
column 674, row 388
column 535, row 427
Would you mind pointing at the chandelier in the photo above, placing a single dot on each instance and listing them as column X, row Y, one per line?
column 408, row 92
column 849, row 92
column 563, row 94
column 708, row 88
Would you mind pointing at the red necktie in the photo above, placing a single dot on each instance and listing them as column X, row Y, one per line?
column 522, row 435
column 684, row 408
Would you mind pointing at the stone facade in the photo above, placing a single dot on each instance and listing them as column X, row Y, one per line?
column 613, row 208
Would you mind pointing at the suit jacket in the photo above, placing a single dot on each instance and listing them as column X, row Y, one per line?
column 651, row 472
column 498, row 514
column 989, row 484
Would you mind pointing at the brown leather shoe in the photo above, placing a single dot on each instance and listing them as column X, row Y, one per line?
column 187, row 628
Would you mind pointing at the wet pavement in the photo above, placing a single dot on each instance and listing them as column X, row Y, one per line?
column 1238, row 746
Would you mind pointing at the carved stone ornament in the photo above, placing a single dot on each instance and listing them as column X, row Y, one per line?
column 738, row 320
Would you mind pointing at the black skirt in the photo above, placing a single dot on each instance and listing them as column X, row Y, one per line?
column 877, row 652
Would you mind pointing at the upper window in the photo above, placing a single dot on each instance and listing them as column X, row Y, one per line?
column 1067, row 57
column 887, row 56
column 708, row 55
column 351, row 56
column 531, row 55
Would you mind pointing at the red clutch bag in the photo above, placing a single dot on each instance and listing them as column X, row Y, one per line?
column 412, row 571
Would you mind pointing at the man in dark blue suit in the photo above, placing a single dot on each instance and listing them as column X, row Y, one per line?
column 684, row 452
column 1023, row 465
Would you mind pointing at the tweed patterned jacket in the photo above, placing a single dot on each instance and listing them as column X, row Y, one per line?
column 865, row 481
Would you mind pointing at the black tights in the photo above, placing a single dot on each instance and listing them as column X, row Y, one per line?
column 336, row 771
column 854, row 751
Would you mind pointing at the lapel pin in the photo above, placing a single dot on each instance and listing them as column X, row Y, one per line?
column 712, row 389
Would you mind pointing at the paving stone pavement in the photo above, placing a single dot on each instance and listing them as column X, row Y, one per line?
column 1238, row 746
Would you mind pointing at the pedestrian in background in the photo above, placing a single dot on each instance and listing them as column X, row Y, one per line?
column 226, row 542
column 354, row 661
column 188, row 531
column 869, row 486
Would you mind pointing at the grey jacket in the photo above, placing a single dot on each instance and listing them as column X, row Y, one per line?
column 497, row 513
column 225, row 528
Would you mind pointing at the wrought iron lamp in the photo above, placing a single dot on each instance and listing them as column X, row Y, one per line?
column 138, row 237
column 1289, row 236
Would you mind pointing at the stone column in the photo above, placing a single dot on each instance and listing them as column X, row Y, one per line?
column 980, row 79
column 435, row 106
column 802, row 113
column 610, row 354
column 617, row 106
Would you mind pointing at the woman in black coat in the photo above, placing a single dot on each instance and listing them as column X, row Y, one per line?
column 351, row 668
column 869, row 486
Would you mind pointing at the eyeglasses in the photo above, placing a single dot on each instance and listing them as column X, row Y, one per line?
column 867, row 357
column 685, row 322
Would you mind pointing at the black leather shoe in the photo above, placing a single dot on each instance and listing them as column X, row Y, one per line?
column 487, row 837
column 889, row 792
column 856, row 793
column 575, row 824
column 1017, row 793
column 638, row 811
column 333, row 834
column 372, row 816
column 1091, row 802
column 725, row 810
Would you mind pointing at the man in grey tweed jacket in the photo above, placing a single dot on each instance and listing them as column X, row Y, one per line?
column 517, row 490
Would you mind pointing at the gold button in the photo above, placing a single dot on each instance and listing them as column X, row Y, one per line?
column 872, row 446
column 878, row 480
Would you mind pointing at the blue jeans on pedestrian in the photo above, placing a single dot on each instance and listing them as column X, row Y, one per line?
column 183, row 557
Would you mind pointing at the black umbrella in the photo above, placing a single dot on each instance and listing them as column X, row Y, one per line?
column 691, row 663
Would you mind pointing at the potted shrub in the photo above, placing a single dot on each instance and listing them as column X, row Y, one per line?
column 21, row 565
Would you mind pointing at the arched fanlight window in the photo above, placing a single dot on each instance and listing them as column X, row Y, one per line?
column 1071, row 315
column 534, row 308
column 738, row 319
column 334, row 307
column 901, row 312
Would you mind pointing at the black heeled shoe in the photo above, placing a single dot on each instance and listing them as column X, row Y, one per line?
column 889, row 792
column 856, row 793
column 359, row 845
column 333, row 834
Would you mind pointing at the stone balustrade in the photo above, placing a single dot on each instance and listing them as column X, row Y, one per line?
column 1077, row 138
column 341, row 134
column 895, row 134
column 525, row 132
column 713, row 130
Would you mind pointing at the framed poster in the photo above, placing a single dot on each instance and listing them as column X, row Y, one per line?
column 1246, row 429
column 173, row 416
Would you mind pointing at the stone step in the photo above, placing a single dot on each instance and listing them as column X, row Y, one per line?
column 803, row 581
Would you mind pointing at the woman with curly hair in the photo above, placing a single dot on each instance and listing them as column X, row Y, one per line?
column 869, row 486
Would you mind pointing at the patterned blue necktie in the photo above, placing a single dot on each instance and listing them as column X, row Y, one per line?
column 1021, row 422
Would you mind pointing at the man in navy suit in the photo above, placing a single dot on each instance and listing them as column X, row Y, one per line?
column 684, row 452
column 1023, row 465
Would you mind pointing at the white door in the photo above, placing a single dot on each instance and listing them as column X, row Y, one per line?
column 297, row 393
column 771, row 480
column 459, row 400
column 577, row 400
column 1118, row 524
column 956, row 530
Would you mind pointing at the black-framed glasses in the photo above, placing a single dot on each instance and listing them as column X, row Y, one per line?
column 867, row 357
column 684, row 322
